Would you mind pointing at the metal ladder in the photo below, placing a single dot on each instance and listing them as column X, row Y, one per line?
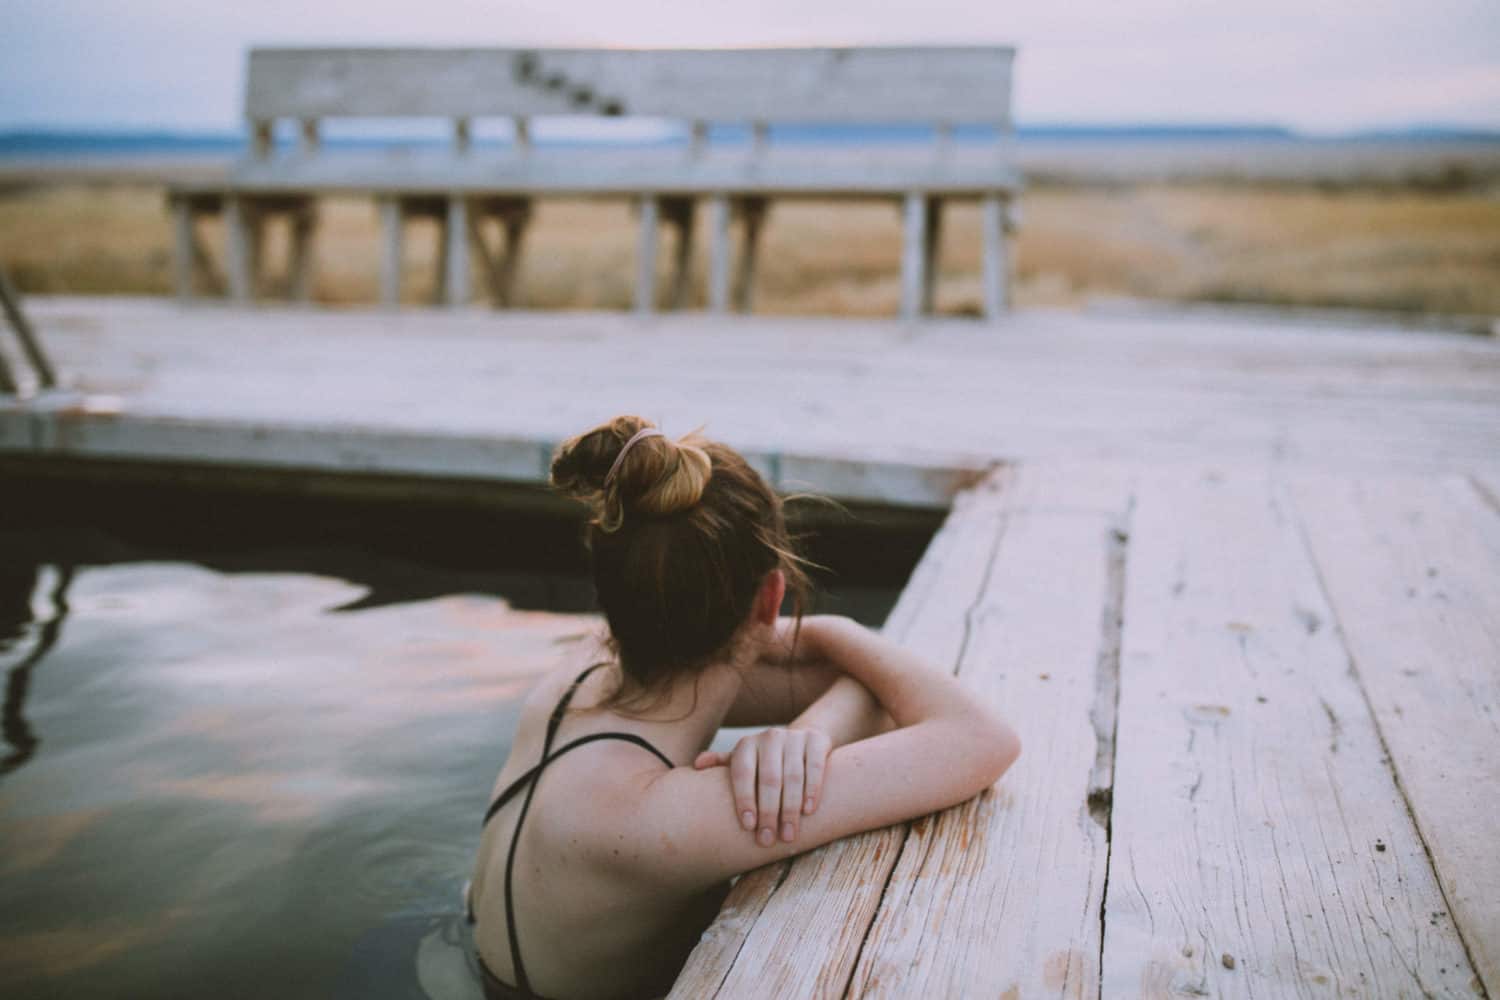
column 46, row 377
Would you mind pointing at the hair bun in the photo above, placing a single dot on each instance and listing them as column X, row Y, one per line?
column 656, row 476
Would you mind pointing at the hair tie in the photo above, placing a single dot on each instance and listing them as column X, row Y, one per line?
column 644, row 432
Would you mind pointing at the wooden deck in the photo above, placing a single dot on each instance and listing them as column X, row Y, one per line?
column 1261, row 753
column 1238, row 584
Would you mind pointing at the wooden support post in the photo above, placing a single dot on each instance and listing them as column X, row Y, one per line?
column 718, row 253
column 499, row 266
column 913, row 255
column 523, row 136
column 261, row 138
column 753, row 217
column 645, row 255
column 390, row 250
column 456, row 237
column 995, row 266
column 304, row 222
column 681, row 212
column 237, row 250
column 698, row 142
column 760, row 138
column 310, row 140
column 255, row 225
column 463, row 136
column 182, row 249
column 204, row 266
column 931, row 251
column 515, row 222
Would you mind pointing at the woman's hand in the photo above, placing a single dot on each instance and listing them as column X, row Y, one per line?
column 776, row 776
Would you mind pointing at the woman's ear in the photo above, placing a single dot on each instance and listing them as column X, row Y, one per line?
column 768, row 601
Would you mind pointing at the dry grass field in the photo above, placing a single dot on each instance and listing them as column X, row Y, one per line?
column 1291, row 244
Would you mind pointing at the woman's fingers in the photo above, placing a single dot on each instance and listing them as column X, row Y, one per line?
column 768, row 785
column 793, row 765
column 818, row 748
column 710, row 758
column 742, row 766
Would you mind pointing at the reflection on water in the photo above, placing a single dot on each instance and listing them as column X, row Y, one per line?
column 20, row 630
column 225, row 777
column 230, row 775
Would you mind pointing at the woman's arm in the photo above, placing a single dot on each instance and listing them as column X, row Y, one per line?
column 949, row 746
column 776, row 776
column 788, row 677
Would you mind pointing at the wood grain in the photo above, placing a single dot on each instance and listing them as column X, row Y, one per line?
column 1412, row 567
column 1260, row 845
column 1000, row 896
column 805, row 937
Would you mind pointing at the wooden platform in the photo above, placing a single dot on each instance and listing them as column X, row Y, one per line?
column 1238, row 584
column 863, row 409
column 1261, row 758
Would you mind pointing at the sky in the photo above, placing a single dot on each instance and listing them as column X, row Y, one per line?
column 1323, row 66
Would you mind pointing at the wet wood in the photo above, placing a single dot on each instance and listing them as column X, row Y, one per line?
column 1260, row 845
column 1412, row 569
column 1000, row 896
column 805, row 937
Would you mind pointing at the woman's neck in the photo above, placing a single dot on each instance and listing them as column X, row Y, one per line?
column 682, row 718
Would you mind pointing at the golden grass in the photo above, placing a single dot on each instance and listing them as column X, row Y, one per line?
column 1362, row 248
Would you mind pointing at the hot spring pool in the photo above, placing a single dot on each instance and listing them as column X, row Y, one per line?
column 247, row 742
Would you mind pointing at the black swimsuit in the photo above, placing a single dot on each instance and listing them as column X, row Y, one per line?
column 495, row 987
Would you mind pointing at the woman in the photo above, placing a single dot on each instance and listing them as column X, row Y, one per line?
column 624, row 853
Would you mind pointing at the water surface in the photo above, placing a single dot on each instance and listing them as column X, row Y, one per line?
column 247, row 741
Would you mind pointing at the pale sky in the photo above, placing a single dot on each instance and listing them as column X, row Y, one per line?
column 1319, row 65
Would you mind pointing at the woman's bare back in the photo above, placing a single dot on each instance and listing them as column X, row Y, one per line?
column 589, row 922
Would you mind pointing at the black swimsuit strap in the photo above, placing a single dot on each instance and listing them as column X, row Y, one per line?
column 552, row 724
column 529, row 781
column 515, row 839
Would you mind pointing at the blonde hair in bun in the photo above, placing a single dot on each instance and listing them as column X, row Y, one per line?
column 655, row 476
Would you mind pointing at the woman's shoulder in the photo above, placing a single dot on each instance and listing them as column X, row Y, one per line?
column 579, row 656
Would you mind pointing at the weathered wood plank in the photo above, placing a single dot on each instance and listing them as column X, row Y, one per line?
column 788, row 172
column 1147, row 389
column 932, row 245
column 183, row 283
column 648, row 208
column 456, row 256
column 995, row 262
column 752, row 221
column 869, row 84
column 1001, row 896
column 913, row 255
column 682, row 215
column 514, row 223
column 804, row 938
column 391, row 226
column 239, row 250
column 300, row 266
column 718, row 253
column 1259, row 843
column 1412, row 568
